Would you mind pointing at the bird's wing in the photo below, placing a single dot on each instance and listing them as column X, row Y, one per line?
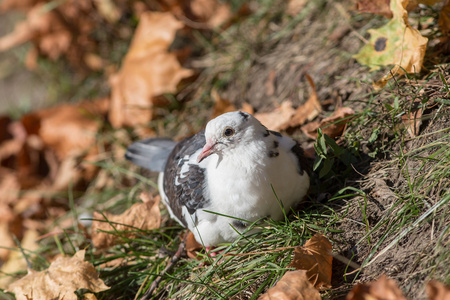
column 184, row 179
column 151, row 153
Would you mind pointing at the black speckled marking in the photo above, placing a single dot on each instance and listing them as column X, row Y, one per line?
column 302, row 161
column 239, row 224
column 275, row 133
column 189, row 190
column 266, row 133
column 273, row 154
column 244, row 115
column 276, row 144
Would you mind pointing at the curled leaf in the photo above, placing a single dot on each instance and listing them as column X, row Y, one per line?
column 396, row 43
column 60, row 281
column 315, row 258
column 381, row 289
column 148, row 70
column 143, row 216
column 294, row 285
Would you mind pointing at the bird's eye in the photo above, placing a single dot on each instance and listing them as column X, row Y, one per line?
column 228, row 132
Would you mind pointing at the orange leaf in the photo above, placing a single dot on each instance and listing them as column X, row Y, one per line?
column 309, row 110
column 221, row 105
column 294, row 285
column 60, row 281
column 444, row 19
column 148, row 70
column 381, row 289
column 277, row 119
column 315, row 258
column 192, row 246
column 379, row 7
column 143, row 216
column 438, row 291
column 413, row 119
column 332, row 126
column 211, row 12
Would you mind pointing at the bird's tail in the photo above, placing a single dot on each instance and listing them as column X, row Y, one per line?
column 151, row 153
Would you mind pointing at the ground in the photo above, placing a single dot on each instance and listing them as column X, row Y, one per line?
column 387, row 211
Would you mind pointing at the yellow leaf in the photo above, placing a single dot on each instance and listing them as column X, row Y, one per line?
column 396, row 43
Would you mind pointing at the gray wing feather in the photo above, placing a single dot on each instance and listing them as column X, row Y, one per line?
column 151, row 153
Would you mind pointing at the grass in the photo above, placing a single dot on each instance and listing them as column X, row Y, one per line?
column 379, row 195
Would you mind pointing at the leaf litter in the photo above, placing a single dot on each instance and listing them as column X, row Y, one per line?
column 133, row 105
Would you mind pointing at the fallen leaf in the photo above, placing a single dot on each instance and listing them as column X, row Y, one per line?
column 309, row 110
column 192, row 246
column 437, row 290
column 51, row 31
column 413, row 119
column 378, row 7
column 16, row 262
column 211, row 12
column 295, row 6
column 68, row 129
column 278, row 118
column 270, row 83
column 221, row 105
column 396, row 43
column 60, row 281
column 444, row 19
column 148, row 70
column 315, row 258
column 143, row 216
column 381, row 289
column 294, row 285
column 332, row 126
column 108, row 9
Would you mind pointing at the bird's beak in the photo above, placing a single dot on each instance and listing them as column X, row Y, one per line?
column 207, row 150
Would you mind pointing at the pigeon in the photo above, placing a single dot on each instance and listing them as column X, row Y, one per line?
column 229, row 175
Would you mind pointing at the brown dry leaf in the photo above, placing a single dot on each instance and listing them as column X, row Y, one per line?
column 437, row 290
column 270, row 83
column 51, row 31
column 295, row 6
column 332, row 126
column 60, row 281
column 192, row 246
column 221, row 105
column 381, row 289
column 315, row 258
column 68, row 129
column 211, row 12
column 7, row 5
column 16, row 262
column 142, row 216
column 378, row 7
column 148, row 70
column 413, row 120
column 108, row 9
column 309, row 110
column 278, row 118
column 444, row 19
column 294, row 285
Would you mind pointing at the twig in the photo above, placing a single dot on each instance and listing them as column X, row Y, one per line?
column 169, row 266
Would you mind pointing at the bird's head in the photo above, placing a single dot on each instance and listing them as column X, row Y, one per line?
column 229, row 130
